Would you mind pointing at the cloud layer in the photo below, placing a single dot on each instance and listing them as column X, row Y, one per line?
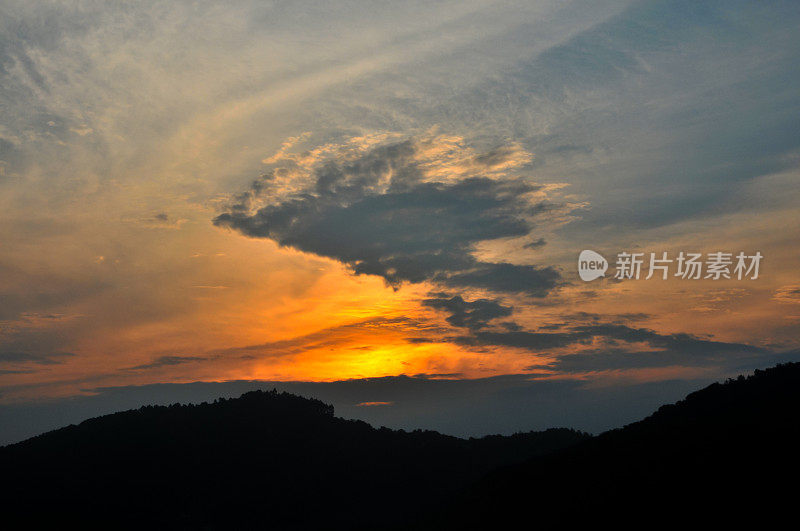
column 383, row 214
column 126, row 127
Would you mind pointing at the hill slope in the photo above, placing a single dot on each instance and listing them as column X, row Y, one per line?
column 278, row 461
column 729, row 450
column 264, row 460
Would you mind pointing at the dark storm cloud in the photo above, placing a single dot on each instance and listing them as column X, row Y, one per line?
column 614, row 359
column 511, row 278
column 535, row 244
column 522, row 339
column 595, row 318
column 684, row 353
column 668, row 348
column 376, row 215
column 686, row 343
column 474, row 315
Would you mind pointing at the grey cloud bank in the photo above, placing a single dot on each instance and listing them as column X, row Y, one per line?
column 379, row 216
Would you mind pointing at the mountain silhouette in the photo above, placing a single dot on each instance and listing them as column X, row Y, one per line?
column 266, row 460
column 270, row 460
column 727, row 452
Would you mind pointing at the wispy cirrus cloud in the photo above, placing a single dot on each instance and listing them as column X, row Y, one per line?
column 474, row 315
column 669, row 120
column 37, row 358
column 789, row 294
column 165, row 361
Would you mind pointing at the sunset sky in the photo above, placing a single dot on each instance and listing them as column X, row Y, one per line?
column 383, row 203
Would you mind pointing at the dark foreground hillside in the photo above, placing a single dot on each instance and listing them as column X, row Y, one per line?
column 278, row 461
column 727, row 452
column 266, row 460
